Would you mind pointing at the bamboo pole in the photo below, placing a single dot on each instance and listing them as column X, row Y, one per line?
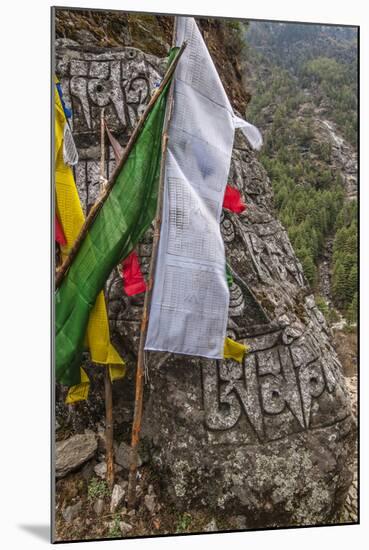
column 110, row 184
column 109, row 435
column 137, row 418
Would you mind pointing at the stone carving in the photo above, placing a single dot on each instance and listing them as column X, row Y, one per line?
column 278, row 394
column 227, row 229
column 272, row 437
column 236, row 300
column 236, row 386
column 120, row 82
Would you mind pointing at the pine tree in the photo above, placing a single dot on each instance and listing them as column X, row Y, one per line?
column 308, row 266
column 352, row 282
column 340, row 287
column 352, row 311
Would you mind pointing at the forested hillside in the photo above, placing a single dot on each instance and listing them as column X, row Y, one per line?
column 304, row 99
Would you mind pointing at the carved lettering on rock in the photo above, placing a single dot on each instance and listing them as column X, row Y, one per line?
column 119, row 81
column 273, row 389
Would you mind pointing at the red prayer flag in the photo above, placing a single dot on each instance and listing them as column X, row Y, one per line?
column 133, row 281
column 59, row 233
column 233, row 200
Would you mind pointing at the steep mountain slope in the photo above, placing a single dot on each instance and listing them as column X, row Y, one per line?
column 304, row 99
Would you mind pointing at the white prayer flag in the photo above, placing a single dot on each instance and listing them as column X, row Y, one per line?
column 189, row 307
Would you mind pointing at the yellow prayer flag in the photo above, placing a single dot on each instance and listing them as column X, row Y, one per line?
column 116, row 372
column 70, row 214
column 79, row 391
column 234, row 350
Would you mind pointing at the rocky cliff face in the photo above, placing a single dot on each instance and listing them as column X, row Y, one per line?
column 271, row 438
column 343, row 155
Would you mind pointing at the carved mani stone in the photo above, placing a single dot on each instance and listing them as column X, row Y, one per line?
column 271, row 438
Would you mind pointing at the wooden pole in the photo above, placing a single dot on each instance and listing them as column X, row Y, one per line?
column 137, row 417
column 110, row 184
column 102, row 149
column 109, row 428
column 109, row 436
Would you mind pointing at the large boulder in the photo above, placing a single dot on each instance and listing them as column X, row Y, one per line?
column 71, row 453
column 271, row 438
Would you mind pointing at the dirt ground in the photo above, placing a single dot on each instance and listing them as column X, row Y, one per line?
column 345, row 344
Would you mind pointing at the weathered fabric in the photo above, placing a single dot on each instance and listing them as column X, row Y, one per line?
column 59, row 233
column 133, row 281
column 234, row 350
column 80, row 391
column 120, row 224
column 233, row 201
column 190, row 298
column 69, row 213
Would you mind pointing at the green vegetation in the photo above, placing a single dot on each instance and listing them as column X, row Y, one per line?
column 114, row 531
column 321, row 59
column 97, row 488
column 308, row 189
column 183, row 523
column 329, row 313
column 307, row 212
column 336, row 90
column 234, row 32
column 345, row 261
column 308, row 193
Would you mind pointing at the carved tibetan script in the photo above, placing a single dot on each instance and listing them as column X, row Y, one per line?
column 120, row 81
column 273, row 390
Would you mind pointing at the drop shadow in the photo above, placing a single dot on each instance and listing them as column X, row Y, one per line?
column 40, row 531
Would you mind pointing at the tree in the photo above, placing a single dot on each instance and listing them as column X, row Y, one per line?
column 308, row 266
column 352, row 282
column 352, row 311
column 340, row 285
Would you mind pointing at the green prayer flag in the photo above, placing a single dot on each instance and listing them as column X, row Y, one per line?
column 120, row 224
column 229, row 276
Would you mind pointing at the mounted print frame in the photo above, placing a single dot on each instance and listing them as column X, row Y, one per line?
column 205, row 226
